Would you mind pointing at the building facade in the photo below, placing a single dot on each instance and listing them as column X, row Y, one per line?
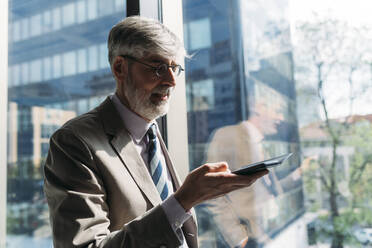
column 241, row 105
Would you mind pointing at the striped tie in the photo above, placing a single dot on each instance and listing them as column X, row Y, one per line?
column 158, row 173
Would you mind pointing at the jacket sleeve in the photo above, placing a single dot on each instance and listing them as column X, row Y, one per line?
column 78, row 209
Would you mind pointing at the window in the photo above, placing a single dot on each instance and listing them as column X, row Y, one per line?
column 47, row 21
column 49, row 83
column 105, row 7
column 93, row 58
column 200, row 95
column 103, row 58
column 68, row 12
column 25, row 28
column 57, row 66
column 69, row 63
column 15, row 75
column 261, row 68
column 92, row 9
column 47, row 68
column 16, row 31
column 203, row 29
column 239, row 112
column 81, row 11
column 56, row 19
column 35, row 22
column 35, row 71
column 25, row 73
column 82, row 60
column 119, row 5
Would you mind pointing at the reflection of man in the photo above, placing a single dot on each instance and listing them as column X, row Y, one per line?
column 109, row 180
column 239, row 215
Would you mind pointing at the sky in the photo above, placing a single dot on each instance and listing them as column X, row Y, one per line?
column 356, row 13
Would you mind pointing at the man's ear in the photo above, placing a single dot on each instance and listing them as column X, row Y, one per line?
column 120, row 68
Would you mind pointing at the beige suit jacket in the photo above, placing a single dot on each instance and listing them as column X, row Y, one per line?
column 99, row 191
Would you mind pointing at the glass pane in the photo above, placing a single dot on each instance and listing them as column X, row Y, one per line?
column 56, row 18
column 55, row 56
column 92, row 9
column 35, row 25
column 263, row 81
column 241, row 109
column 68, row 13
column 81, row 11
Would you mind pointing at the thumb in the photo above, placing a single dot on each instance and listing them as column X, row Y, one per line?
column 218, row 167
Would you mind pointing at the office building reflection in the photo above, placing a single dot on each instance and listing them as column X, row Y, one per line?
column 58, row 69
column 241, row 109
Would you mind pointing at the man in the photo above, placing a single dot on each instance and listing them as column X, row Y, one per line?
column 109, row 181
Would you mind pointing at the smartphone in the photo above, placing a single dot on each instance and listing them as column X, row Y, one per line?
column 262, row 165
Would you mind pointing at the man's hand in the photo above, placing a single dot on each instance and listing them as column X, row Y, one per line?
column 211, row 181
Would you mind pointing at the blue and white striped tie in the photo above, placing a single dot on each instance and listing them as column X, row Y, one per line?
column 158, row 173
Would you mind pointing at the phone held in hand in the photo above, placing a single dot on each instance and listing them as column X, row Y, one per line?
column 262, row 165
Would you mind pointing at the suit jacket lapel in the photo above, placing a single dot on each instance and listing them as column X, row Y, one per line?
column 126, row 150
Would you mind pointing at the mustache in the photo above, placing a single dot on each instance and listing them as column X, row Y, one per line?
column 163, row 89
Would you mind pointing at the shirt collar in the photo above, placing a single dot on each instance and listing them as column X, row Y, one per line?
column 136, row 125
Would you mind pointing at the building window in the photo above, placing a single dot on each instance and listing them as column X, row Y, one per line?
column 201, row 27
column 92, row 9
column 82, row 60
column 93, row 58
column 81, row 11
column 35, row 22
column 69, row 15
column 48, row 85
column 56, row 18
column 35, row 71
column 57, row 66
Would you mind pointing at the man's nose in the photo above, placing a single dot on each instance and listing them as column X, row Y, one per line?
column 169, row 77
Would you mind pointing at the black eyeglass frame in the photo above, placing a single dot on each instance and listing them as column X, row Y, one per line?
column 177, row 69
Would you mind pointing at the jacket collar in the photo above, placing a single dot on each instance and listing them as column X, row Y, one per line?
column 123, row 145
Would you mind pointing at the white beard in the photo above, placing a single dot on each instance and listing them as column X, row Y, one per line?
column 139, row 100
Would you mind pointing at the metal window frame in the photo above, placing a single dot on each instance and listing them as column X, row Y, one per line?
column 3, row 121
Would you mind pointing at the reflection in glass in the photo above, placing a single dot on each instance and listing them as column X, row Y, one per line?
column 68, row 13
column 25, row 72
column 47, row 68
column 56, row 18
column 47, row 21
column 57, row 67
column 51, row 80
column 81, row 11
column 16, row 31
column 35, row 71
column 93, row 58
column 69, row 63
column 240, row 98
column 82, row 60
column 25, row 28
column 36, row 25
column 92, row 9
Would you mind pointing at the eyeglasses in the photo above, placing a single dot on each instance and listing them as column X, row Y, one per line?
column 159, row 70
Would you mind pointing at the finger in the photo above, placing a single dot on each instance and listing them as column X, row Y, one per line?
column 218, row 167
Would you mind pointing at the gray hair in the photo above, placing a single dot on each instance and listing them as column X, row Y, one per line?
column 139, row 36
